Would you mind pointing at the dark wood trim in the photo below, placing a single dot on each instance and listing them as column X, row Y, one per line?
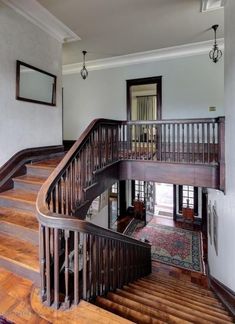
column 178, row 173
column 15, row 166
column 18, row 97
column 174, row 202
column 225, row 294
column 122, row 198
column 150, row 80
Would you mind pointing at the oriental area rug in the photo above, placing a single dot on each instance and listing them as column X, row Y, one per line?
column 174, row 246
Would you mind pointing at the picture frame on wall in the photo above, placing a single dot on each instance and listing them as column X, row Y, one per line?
column 215, row 228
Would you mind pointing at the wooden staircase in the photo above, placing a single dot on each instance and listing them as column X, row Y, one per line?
column 18, row 222
column 160, row 298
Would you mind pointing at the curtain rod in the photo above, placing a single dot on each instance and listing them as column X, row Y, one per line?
column 146, row 96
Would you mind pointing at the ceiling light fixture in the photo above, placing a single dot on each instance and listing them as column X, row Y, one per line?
column 84, row 72
column 215, row 54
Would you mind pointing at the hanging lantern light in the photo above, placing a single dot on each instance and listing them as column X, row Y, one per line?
column 84, row 72
column 215, row 54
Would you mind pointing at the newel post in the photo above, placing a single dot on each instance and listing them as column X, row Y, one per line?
column 221, row 152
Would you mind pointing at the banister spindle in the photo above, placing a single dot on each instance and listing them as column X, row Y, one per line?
column 66, row 270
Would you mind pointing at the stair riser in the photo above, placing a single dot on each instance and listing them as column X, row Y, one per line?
column 17, row 204
column 35, row 187
column 39, row 172
column 21, row 270
column 20, row 232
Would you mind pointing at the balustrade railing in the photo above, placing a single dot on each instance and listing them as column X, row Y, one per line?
column 79, row 259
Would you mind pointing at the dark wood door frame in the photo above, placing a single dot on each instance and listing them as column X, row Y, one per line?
column 150, row 80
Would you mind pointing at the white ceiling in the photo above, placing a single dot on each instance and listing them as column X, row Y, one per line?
column 117, row 27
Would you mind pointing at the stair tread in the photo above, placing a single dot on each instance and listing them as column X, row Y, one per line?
column 136, row 304
column 19, row 217
column 126, row 312
column 19, row 195
column 50, row 163
column 19, row 251
column 30, row 179
column 176, row 294
column 182, row 299
column 179, row 285
column 162, row 277
column 172, row 306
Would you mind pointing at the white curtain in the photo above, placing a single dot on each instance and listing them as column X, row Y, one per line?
column 146, row 108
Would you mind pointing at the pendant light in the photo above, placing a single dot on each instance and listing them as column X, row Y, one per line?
column 215, row 54
column 84, row 72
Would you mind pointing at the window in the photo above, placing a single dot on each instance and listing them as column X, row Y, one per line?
column 188, row 198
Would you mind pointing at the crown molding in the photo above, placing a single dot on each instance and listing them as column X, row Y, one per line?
column 144, row 57
column 41, row 17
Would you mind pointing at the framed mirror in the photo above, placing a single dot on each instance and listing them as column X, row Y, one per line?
column 35, row 85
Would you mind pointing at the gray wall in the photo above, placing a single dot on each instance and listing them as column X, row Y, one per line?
column 222, row 265
column 23, row 124
column 190, row 86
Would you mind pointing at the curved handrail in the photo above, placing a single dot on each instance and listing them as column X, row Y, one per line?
column 70, row 222
column 106, row 253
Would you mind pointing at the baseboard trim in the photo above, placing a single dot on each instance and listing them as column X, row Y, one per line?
column 225, row 294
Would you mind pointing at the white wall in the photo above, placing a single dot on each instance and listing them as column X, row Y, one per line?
column 222, row 266
column 101, row 219
column 22, row 124
column 190, row 86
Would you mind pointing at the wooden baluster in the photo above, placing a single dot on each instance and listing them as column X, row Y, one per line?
column 66, row 270
column 213, row 141
column 98, row 264
column 89, row 273
column 208, row 142
column 198, row 141
column 173, row 143
column 169, row 141
column 56, row 269
column 183, row 143
column 193, row 143
column 178, row 142
column 42, row 261
column 93, row 266
column 148, row 148
column 135, row 138
column 152, row 150
column 54, row 200
column 165, row 142
column 48, row 270
column 76, row 268
column 85, row 266
column 203, row 143
column 115, row 265
column 188, row 144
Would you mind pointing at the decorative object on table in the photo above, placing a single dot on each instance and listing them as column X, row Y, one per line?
column 174, row 246
column 215, row 227
column 84, row 72
column 215, row 54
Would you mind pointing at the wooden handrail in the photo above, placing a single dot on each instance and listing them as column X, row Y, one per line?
column 106, row 259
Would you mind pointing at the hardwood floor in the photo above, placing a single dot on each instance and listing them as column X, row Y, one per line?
column 15, row 299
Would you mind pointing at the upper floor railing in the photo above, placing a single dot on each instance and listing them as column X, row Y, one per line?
column 82, row 260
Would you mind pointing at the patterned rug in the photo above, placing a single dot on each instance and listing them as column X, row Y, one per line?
column 174, row 246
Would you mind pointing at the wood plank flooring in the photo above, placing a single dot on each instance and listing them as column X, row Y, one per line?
column 15, row 299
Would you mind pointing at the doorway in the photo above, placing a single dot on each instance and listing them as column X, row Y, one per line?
column 164, row 200
column 144, row 99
